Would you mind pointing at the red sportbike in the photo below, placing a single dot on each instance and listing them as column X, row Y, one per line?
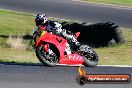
column 52, row 49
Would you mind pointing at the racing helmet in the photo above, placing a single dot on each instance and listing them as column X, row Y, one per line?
column 40, row 19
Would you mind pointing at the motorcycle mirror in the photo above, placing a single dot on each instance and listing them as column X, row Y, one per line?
column 33, row 30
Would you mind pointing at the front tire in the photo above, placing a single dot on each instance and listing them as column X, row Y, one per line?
column 45, row 58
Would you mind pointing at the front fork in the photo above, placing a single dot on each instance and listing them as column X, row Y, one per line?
column 46, row 47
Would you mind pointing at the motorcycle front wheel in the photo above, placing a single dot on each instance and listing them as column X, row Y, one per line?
column 48, row 59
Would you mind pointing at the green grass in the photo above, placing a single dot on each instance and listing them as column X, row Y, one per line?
column 18, row 56
column 118, row 54
column 116, row 2
column 15, row 23
column 22, row 24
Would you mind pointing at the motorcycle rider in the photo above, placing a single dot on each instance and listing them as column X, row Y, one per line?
column 42, row 23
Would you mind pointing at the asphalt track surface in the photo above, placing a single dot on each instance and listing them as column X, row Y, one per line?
column 73, row 10
column 39, row 76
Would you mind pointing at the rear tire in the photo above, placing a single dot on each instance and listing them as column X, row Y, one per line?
column 46, row 59
column 92, row 62
column 90, row 56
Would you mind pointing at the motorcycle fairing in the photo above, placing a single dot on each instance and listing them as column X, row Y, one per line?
column 60, row 43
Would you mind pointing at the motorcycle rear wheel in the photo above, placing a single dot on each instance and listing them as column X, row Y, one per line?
column 90, row 56
column 45, row 58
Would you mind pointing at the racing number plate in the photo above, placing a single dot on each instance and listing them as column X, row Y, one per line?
column 40, row 33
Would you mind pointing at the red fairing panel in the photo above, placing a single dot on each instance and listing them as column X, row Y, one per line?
column 60, row 43
column 71, row 59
